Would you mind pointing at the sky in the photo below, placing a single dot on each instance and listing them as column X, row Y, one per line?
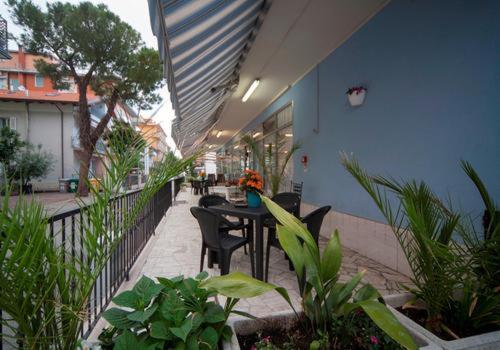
column 135, row 13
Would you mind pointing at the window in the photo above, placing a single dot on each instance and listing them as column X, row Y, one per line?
column 10, row 122
column 14, row 84
column 39, row 80
column 3, row 82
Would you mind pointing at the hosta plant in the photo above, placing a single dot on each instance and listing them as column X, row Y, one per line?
column 178, row 313
column 324, row 298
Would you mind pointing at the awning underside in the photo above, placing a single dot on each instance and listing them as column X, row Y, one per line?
column 206, row 41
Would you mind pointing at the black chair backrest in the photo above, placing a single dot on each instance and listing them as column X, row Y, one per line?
column 314, row 220
column 296, row 187
column 288, row 200
column 209, row 225
column 210, row 200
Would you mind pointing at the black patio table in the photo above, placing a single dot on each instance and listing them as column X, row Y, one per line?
column 256, row 215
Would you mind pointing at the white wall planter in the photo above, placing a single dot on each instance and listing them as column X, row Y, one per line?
column 245, row 326
column 487, row 341
column 356, row 98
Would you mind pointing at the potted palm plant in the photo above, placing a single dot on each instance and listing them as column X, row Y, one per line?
column 455, row 298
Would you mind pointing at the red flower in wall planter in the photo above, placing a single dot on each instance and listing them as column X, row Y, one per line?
column 356, row 95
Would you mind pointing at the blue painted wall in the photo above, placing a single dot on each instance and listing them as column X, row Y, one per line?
column 432, row 69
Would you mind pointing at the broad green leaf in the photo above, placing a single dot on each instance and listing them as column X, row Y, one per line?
column 209, row 337
column 367, row 292
column 119, row 318
column 293, row 248
column 182, row 332
column 287, row 219
column 312, row 266
column 238, row 285
column 214, row 313
column 126, row 341
column 147, row 289
column 192, row 343
column 227, row 333
column 202, row 275
column 173, row 308
column 332, row 258
column 142, row 316
column 129, row 299
column 384, row 319
column 315, row 345
column 159, row 330
column 346, row 291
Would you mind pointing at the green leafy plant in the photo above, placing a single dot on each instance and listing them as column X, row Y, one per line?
column 456, row 279
column 177, row 313
column 324, row 297
column 45, row 285
column 10, row 144
column 273, row 177
column 30, row 163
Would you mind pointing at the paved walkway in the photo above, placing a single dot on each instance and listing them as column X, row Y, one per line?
column 175, row 250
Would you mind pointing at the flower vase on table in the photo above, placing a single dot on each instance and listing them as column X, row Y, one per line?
column 253, row 199
column 251, row 183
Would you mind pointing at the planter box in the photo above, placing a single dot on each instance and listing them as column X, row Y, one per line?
column 245, row 326
column 487, row 341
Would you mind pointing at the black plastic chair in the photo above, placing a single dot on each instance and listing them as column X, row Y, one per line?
column 210, row 200
column 313, row 220
column 218, row 241
column 296, row 187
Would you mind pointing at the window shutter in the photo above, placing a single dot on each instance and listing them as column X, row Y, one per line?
column 13, row 123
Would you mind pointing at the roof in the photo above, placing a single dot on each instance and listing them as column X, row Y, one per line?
column 203, row 44
column 39, row 96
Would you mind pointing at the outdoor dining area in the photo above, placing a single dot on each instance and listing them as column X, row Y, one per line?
column 222, row 220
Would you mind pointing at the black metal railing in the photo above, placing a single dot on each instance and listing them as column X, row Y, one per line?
column 66, row 230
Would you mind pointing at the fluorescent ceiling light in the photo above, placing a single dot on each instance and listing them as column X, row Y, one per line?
column 289, row 135
column 237, row 146
column 256, row 134
column 250, row 90
column 219, row 133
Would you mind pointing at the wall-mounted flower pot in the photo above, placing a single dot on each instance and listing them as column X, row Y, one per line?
column 484, row 341
column 356, row 98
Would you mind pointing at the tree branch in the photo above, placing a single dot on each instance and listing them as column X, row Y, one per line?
column 99, row 129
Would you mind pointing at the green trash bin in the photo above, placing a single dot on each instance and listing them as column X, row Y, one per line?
column 73, row 185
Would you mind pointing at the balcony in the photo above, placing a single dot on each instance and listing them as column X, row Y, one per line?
column 100, row 147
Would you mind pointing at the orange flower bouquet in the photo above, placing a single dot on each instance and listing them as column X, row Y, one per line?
column 252, row 184
column 251, row 181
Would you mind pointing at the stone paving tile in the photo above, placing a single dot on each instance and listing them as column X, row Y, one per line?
column 175, row 250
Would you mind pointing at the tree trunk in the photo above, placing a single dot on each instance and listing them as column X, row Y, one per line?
column 89, row 137
column 86, row 144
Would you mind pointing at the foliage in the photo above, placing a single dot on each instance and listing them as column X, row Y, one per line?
column 359, row 331
column 31, row 163
column 122, row 136
column 94, row 47
column 251, row 181
column 273, row 177
column 324, row 297
column 176, row 313
column 10, row 144
column 456, row 279
column 45, row 287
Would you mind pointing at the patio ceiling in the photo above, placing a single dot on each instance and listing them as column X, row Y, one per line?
column 293, row 39
column 203, row 44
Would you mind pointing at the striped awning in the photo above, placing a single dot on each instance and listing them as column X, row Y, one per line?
column 203, row 44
